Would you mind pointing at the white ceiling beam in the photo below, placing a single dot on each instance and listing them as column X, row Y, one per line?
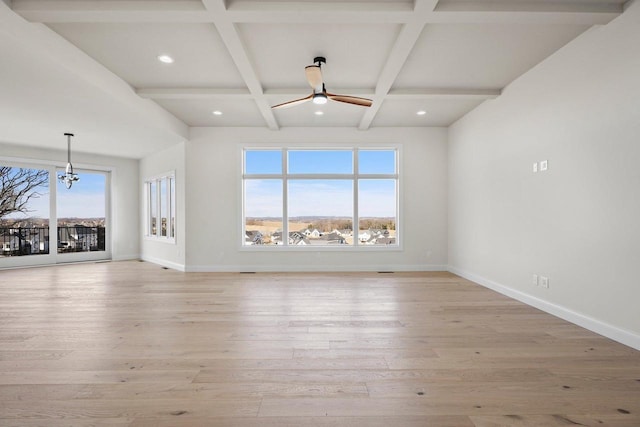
column 523, row 18
column 238, row 52
column 395, row 60
column 570, row 6
column 576, row 12
column 129, row 11
column 448, row 93
column 583, row 12
column 302, row 91
column 306, row 6
column 193, row 93
column 224, row 93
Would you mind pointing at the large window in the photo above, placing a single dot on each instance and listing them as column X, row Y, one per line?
column 320, row 197
column 24, row 211
column 161, row 207
column 43, row 222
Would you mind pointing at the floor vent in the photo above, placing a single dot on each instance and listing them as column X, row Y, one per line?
column 386, row 272
column 247, row 272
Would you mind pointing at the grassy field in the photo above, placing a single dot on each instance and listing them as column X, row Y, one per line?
column 268, row 227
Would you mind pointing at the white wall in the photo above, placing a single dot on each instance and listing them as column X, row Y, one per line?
column 214, row 216
column 169, row 254
column 125, row 212
column 577, row 223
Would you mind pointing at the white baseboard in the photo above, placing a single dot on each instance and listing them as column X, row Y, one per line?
column 309, row 268
column 615, row 333
column 164, row 263
column 125, row 257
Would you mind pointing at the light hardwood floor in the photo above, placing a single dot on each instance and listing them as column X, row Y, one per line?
column 133, row 344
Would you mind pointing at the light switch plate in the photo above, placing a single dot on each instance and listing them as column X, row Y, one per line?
column 544, row 165
column 534, row 280
column 535, row 167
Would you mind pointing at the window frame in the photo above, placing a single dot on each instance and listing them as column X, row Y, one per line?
column 355, row 177
column 169, row 179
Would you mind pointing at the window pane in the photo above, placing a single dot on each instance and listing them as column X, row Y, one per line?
column 263, row 212
column 24, row 211
column 377, row 161
column 377, row 212
column 263, row 162
column 163, row 207
column 320, row 211
column 153, row 208
column 81, row 214
column 172, row 191
column 320, row 161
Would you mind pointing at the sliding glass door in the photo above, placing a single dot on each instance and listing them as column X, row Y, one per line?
column 82, row 218
column 43, row 222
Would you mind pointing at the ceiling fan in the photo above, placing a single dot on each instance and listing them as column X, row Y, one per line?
column 320, row 94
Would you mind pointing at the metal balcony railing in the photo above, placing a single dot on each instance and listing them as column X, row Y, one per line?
column 20, row 241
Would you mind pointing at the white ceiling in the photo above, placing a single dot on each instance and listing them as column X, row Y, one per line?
column 90, row 66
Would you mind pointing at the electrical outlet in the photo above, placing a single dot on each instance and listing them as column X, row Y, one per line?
column 534, row 280
column 544, row 165
column 544, row 282
column 535, row 167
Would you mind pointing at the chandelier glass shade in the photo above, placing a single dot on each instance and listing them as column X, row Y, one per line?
column 68, row 178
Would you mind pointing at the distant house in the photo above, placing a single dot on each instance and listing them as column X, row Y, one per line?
column 276, row 237
column 344, row 232
column 314, row 234
column 253, row 237
column 364, row 236
column 298, row 238
column 385, row 241
column 334, row 239
column 38, row 239
column 10, row 243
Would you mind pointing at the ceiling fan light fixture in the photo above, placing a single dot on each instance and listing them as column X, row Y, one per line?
column 319, row 98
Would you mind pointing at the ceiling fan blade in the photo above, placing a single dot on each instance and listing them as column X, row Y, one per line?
column 314, row 77
column 355, row 100
column 293, row 103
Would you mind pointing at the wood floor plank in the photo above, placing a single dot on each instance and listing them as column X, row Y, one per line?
column 132, row 344
column 400, row 421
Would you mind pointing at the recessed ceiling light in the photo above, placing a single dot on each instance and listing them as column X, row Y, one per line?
column 165, row 58
column 319, row 113
column 217, row 113
column 421, row 113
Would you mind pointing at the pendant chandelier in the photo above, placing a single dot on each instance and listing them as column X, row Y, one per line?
column 68, row 178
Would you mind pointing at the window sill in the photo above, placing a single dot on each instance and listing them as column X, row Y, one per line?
column 337, row 248
column 169, row 240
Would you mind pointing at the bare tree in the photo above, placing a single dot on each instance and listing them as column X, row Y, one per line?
column 18, row 186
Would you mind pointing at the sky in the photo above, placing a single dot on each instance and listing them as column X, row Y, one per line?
column 320, row 161
column 320, row 197
column 85, row 199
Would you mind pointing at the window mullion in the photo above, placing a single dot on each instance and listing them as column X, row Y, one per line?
column 158, row 207
column 356, row 215
column 285, row 199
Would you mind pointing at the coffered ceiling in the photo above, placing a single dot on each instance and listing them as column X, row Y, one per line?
column 96, row 61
